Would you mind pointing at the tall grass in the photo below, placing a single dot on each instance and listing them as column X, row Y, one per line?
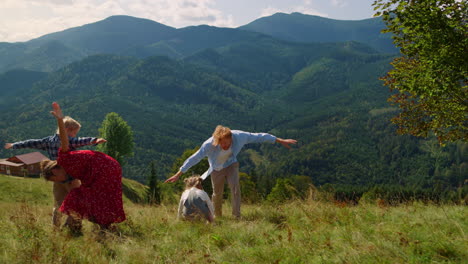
column 18, row 189
column 295, row 232
column 299, row 231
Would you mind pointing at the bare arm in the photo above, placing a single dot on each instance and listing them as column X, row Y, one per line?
column 286, row 142
column 29, row 143
column 190, row 161
column 57, row 112
column 175, row 177
column 99, row 141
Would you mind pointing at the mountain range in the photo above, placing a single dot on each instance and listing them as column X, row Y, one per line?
column 130, row 36
column 295, row 76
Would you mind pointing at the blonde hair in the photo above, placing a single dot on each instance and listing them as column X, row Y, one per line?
column 220, row 133
column 193, row 181
column 70, row 124
column 46, row 167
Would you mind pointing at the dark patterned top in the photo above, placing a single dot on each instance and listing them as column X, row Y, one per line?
column 51, row 144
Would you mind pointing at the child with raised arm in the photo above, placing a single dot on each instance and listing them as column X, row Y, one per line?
column 194, row 202
column 99, row 198
column 51, row 145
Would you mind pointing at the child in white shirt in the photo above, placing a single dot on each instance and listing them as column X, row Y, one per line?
column 194, row 202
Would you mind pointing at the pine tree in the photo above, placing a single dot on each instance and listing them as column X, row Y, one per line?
column 154, row 191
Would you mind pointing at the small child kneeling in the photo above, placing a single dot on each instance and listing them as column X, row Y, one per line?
column 194, row 202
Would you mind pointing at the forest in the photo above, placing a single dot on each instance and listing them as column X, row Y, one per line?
column 327, row 95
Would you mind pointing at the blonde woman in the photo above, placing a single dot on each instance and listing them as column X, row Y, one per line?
column 222, row 149
column 195, row 202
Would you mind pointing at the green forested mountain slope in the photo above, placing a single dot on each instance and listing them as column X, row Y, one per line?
column 120, row 35
column 47, row 57
column 327, row 96
column 170, row 105
column 110, row 35
column 53, row 51
column 190, row 40
column 17, row 83
column 269, row 64
column 298, row 27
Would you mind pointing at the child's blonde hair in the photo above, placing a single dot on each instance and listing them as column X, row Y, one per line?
column 193, row 181
column 219, row 133
column 70, row 124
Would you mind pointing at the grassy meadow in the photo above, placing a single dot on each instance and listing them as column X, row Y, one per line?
column 300, row 231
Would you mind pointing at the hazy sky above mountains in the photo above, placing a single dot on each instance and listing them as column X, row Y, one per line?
column 22, row 20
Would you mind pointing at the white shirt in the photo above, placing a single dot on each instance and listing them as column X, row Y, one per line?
column 223, row 156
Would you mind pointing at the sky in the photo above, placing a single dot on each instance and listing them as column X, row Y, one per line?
column 23, row 20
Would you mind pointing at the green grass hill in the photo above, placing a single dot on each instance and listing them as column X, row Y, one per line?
column 312, row 230
column 38, row 191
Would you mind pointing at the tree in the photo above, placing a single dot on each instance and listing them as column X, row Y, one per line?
column 119, row 136
column 154, row 191
column 431, row 76
column 284, row 190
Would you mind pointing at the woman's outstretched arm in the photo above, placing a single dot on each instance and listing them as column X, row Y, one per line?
column 57, row 112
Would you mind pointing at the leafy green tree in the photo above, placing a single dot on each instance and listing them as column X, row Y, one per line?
column 283, row 191
column 154, row 191
column 431, row 76
column 119, row 136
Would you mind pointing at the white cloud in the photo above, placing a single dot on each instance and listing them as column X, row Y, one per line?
column 21, row 20
column 189, row 12
column 339, row 3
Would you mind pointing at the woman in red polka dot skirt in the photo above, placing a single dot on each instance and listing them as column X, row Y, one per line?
column 99, row 198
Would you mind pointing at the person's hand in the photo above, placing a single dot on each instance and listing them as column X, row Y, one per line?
column 99, row 141
column 8, row 145
column 57, row 111
column 286, row 142
column 174, row 178
column 75, row 184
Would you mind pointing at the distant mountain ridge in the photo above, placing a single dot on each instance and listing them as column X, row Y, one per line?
column 298, row 27
column 111, row 35
column 141, row 38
